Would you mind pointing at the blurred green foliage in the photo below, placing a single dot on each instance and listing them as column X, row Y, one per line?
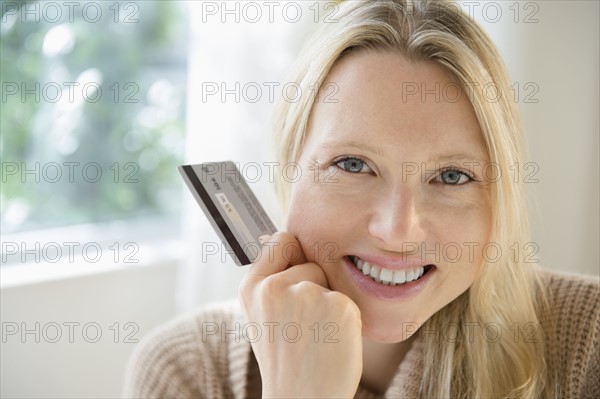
column 91, row 92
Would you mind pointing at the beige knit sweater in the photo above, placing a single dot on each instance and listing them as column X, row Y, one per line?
column 187, row 358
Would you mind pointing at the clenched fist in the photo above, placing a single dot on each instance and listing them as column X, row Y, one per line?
column 322, row 355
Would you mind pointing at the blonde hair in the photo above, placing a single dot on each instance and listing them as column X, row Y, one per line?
column 507, row 294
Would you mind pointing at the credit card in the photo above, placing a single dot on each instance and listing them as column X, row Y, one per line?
column 230, row 206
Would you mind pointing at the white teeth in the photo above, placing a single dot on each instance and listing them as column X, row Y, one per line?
column 366, row 268
column 375, row 271
column 399, row 276
column 387, row 276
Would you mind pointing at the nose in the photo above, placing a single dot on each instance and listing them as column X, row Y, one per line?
column 396, row 221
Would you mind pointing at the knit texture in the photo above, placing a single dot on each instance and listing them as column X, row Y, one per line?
column 204, row 354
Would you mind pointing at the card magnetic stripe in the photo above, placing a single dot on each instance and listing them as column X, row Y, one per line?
column 216, row 215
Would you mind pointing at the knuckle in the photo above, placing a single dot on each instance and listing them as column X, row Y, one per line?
column 304, row 286
column 272, row 285
column 285, row 239
column 353, row 310
column 346, row 305
column 281, row 236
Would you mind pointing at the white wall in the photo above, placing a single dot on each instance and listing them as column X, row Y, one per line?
column 52, row 366
column 560, row 55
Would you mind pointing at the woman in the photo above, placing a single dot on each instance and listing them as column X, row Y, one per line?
column 403, row 270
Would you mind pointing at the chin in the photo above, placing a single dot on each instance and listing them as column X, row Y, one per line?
column 389, row 333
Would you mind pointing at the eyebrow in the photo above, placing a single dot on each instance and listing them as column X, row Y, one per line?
column 460, row 156
column 354, row 144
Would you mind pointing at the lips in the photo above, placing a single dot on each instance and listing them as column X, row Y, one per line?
column 385, row 282
column 387, row 276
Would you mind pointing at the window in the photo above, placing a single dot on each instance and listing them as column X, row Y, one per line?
column 93, row 110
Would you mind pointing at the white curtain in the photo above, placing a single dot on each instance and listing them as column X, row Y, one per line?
column 244, row 61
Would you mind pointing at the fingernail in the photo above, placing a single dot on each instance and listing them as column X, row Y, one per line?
column 262, row 239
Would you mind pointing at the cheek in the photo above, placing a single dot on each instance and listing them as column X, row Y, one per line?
column 464, row 228
column 304, row 211
column 319, row 219
column 462, row 219
column 457, row 232
column 463, row 235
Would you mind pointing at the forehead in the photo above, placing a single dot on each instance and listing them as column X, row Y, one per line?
column 389, row 101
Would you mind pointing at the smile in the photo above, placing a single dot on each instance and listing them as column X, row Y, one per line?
column 390, row 277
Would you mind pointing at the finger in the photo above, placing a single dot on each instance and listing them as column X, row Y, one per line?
column 305, row 272
column 277, row 253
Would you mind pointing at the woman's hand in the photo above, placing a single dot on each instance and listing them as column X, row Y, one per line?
column 311, row 342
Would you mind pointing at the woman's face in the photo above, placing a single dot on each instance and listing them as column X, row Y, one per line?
column 392, row 176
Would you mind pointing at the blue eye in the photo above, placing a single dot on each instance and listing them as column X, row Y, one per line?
column 453, row 177
column 353, row 165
